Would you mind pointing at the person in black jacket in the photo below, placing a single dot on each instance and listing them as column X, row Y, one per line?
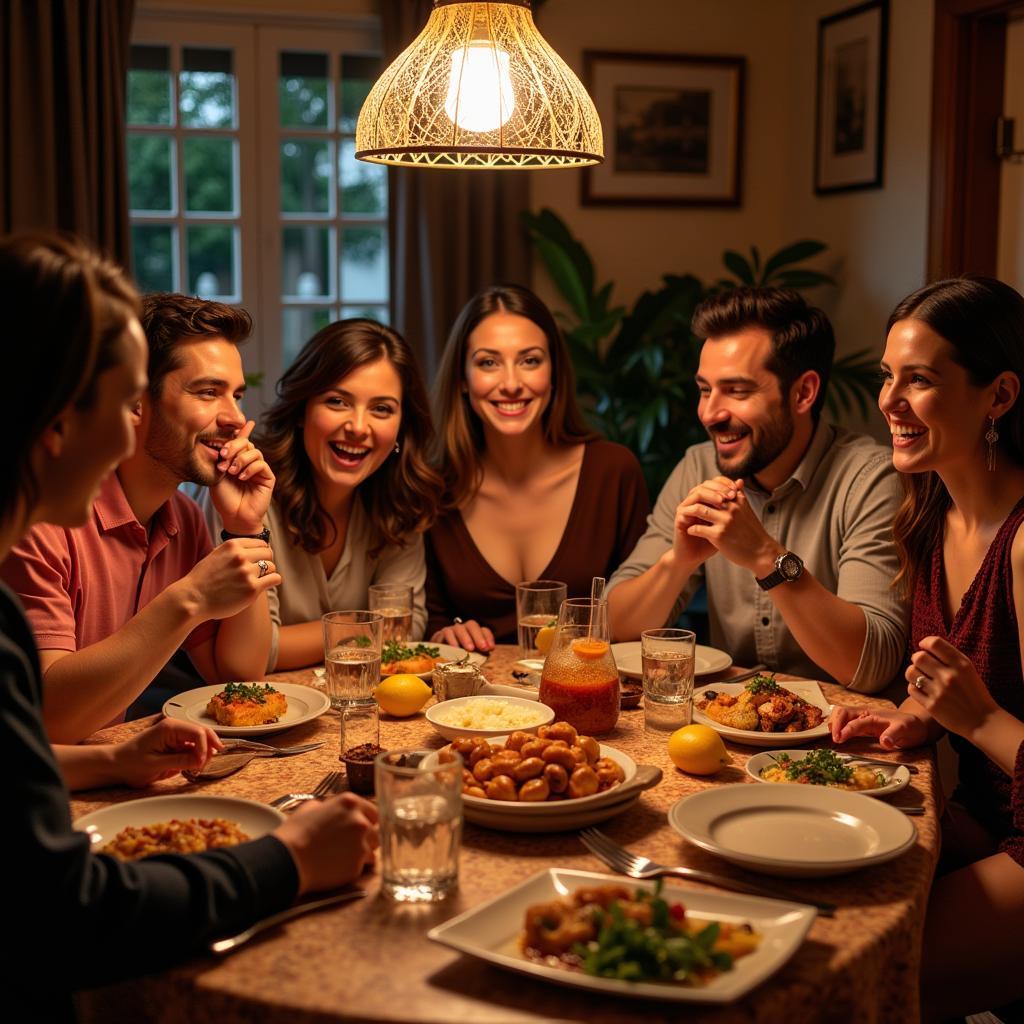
column 75, row 360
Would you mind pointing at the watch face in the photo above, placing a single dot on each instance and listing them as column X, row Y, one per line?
column 790, row 566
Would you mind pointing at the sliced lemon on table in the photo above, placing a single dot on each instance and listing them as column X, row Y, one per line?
column 402, row 695
column 589, row 649
column 544, row 637
column 698, row 749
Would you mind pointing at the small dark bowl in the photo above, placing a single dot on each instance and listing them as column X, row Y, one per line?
column 630, row 695
column 359, row 763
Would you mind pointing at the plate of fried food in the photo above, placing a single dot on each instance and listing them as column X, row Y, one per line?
column 621, row 937
column 399, row 658
column 248, row 709
column 763, row 712
column 551, row 782
column 176, row 824
column 826, row 767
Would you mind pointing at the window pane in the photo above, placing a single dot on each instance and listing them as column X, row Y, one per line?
column 378, row 313
column 207, row 89
column 209, row 174
column 297, row 327
column 306, row 262
column 211, row 261
column 357, row 77
column 364, row 264
column 149, row 172
column 306, row 176
column 303, row 90
column 149, row 85
column 153, row 257
column 364, row 187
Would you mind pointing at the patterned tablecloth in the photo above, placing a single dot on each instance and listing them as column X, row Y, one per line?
column 370, row 961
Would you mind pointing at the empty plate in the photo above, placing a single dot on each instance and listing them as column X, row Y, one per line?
column 706, row 660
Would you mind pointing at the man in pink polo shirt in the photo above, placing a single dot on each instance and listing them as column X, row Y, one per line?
column 110, row 602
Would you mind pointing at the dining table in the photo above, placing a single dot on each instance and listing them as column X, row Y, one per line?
column 371, row 960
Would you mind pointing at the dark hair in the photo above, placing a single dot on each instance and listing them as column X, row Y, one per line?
column 802, row 337
column 461, row 436
column 983, row 321
column 401, row 497
column 171, row 320
column 66, row 308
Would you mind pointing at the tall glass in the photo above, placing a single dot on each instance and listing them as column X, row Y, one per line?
column 668, row 660
column 420, row 825
column 352, row 644
column 537, row 604
column 393, row 601
column 580, row 680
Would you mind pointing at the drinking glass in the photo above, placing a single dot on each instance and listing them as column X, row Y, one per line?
column 352, row 644
column 537, row 604
column 420, row 825
column 394, row 602
column 580, row 679
column 668, row 659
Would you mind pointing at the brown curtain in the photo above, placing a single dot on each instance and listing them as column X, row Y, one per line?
column 452, row 232
column 63, row 65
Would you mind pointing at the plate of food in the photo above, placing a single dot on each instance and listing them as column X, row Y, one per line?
column 399, row 658
column 763, row 712
column 803, row 831
column 176, row 824
column 488, row 715
column 701, row 947
column 248, row 709
column 706, row 660
column 825, row 767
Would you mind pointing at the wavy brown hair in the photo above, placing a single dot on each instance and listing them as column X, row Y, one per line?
column 401, row 497
column 983, row 321
column 461, row 437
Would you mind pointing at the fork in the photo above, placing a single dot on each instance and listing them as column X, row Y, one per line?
column 625, row 863
column 323, row 788
column 912, row 768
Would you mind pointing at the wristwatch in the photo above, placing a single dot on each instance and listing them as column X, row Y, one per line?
column 263, row 535
column 788, row 569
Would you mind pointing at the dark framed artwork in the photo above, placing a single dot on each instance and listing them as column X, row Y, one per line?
column 673, row 129
column 850, row 130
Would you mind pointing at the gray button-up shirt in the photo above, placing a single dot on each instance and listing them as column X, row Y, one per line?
column 836, row 513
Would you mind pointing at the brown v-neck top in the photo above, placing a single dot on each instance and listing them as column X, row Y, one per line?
column 607, row 517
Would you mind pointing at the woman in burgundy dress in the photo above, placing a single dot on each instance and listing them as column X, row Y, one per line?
column 531, row 492
column 951, row 382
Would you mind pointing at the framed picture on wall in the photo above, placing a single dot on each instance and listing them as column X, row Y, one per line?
column 673, row 129
column 850, row 130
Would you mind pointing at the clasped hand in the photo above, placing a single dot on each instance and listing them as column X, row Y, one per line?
column 242, row 495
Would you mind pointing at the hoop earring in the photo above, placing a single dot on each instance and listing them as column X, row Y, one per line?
column 991, row 436
column 397, row 448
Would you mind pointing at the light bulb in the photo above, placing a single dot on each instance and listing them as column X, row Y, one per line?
column 480, row 96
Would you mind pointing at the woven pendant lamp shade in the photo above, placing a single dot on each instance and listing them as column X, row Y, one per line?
column 479, row 88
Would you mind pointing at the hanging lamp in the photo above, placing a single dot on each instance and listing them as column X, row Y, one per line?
column 479, row 88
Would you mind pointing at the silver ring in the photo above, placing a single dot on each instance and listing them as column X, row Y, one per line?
column 919, row 682
column 264, row 567
column 457, row 621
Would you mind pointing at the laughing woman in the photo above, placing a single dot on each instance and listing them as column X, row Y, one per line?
column 531, row 492
column 346, row 440
column 951, row 394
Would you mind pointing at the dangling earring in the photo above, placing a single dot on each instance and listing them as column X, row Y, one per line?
column 397, row 448
column 991, row 436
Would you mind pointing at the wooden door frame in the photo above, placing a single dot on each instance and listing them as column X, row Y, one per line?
column 967, row 97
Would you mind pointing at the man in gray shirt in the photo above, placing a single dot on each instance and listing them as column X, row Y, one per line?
column 786, row 518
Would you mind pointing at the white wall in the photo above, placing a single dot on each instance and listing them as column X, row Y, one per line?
column 1010, row 265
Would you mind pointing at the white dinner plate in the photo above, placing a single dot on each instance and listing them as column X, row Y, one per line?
column 793, row 830
column 491, row 932
column 304, row 704
column 810, row 691
column 898, row 775
column 253, row 818
column 706, row 660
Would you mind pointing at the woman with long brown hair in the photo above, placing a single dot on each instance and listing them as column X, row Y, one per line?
column 951, row 394
column 346, row 440
column 530, row 491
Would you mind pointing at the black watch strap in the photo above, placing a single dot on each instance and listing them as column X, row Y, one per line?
column 771, row 580
column 263, row 535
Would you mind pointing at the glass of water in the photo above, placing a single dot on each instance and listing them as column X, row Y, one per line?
column 393, row 601
column 420, row 805
column 668, row 678
column 537, row 604
column 352, row 643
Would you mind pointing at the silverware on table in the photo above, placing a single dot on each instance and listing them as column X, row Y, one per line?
column 234, row 758
column 749, row 674
column 912, row 768
column 323, row 788
column 227, row 945
column 268, row 749
column 625, row 863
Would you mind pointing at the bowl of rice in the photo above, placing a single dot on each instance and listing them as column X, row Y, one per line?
column 488, row 716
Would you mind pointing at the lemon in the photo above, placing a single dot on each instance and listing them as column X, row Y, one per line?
column 698, row 750
column 402, row 695
column 544, row 637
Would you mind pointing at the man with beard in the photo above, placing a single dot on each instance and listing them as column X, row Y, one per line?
column 111, row 601
column 785, row 518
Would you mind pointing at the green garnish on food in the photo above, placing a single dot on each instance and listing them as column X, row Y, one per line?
column 663, row 950
column 762, row 684
column 241, row 692
column 818, row 767
column 395, row 650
